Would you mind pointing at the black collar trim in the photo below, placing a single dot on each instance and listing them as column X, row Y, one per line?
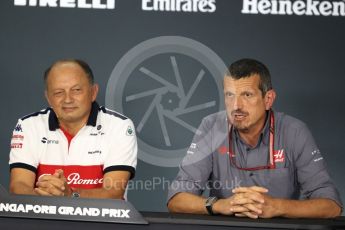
column 92, row 120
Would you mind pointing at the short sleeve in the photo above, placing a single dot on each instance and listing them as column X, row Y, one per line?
column 196, row 166
column 312, row 174
column 123, row 149
column 23, row 153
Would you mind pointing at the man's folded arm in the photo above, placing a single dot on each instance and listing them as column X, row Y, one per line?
column 312, row 208
column 114, row 186
column 22, row 181
column 185, row 202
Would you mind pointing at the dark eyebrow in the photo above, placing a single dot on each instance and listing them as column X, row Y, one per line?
column 246, row 92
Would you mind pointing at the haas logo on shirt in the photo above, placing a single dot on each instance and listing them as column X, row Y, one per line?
column 279, row 155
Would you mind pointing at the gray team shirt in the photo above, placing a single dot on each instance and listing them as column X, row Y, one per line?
column 300, row 171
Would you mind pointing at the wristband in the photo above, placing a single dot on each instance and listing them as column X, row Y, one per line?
column 209, row 203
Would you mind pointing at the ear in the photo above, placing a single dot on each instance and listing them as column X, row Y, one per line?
column 94, row 92
column 269, row 99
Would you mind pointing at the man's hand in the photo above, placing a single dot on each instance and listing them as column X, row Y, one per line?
column 267, row 206
column 270, row 207
column 246, row 201
column 53, row 185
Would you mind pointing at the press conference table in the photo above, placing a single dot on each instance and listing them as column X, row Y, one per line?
column 168, row 221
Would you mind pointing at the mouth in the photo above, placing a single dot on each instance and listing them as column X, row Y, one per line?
column 69, row 109
column 239, row 116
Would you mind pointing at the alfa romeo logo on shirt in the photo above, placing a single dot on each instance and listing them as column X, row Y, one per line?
column 166, row 85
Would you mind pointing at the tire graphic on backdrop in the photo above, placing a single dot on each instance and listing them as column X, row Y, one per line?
column 166, row 85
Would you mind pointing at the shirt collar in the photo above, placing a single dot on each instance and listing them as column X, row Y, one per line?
column 54, row 122
column 266, row 130
column 264, row 135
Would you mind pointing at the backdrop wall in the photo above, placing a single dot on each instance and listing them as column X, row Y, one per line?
column 161, row 62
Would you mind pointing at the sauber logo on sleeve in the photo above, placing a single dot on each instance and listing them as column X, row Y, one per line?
column 16, row 145
column 85, row 4
column 16, row 142
column 17, row 137
column 279, row 155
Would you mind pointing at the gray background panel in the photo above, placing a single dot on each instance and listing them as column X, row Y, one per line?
column 304, row 53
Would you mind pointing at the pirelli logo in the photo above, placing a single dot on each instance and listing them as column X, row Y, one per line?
column 83, row 4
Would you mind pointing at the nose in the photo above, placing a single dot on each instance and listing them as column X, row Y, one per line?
column 68, row 98
column 237, row 103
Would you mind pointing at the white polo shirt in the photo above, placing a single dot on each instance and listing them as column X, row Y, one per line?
column 106, row 143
